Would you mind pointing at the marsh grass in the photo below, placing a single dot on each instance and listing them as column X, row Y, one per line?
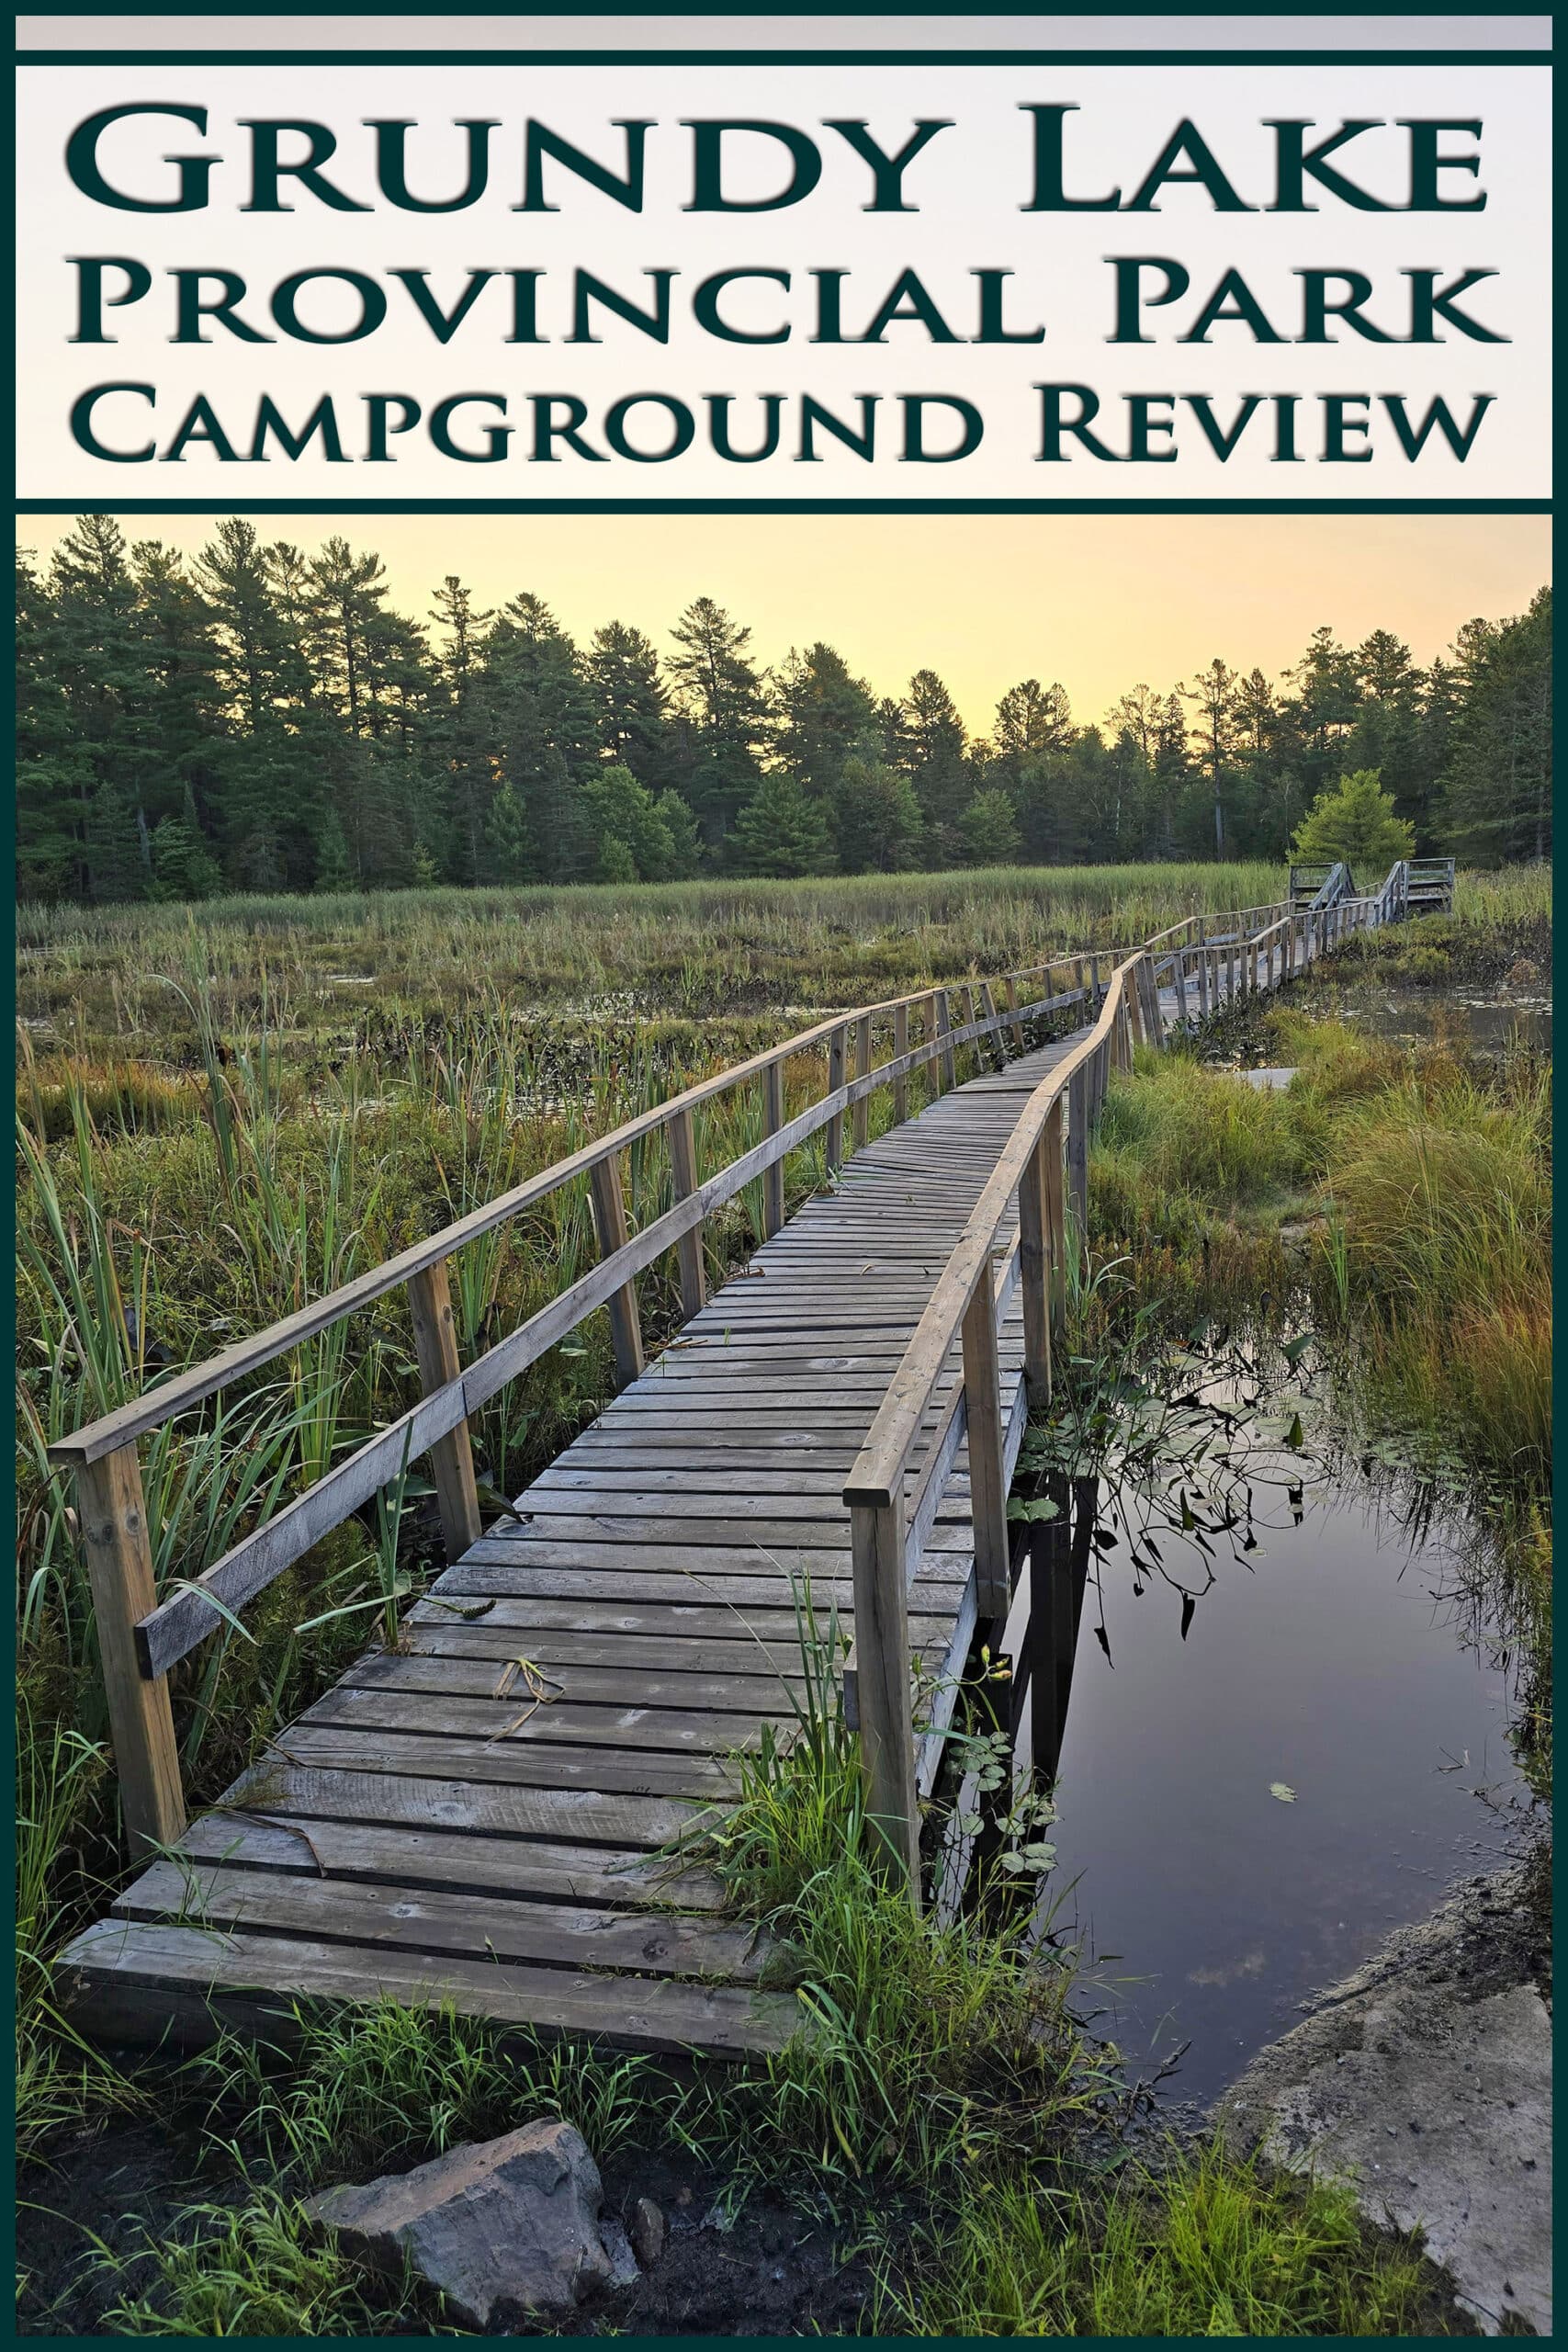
column 1421, row 1185
column 1204, row 2246
column 692, row 950
column 259, row 2269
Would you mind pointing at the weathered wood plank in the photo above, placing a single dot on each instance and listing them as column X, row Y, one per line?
column 519, row 1763
column 518, row 1721
column 469, row 1860
column 346, row 1779
column 481, row 1676
column 124, row 1977
column 418, row 1919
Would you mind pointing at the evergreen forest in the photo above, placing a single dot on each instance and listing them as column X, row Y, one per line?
column 261, row 719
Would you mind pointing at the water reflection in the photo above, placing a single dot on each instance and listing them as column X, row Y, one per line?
column 1263, row 1761
column 1422, row 1016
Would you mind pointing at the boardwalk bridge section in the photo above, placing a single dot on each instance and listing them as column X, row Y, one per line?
column 476, row 1814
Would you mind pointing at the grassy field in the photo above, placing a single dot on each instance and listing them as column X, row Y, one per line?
column 223, row 1112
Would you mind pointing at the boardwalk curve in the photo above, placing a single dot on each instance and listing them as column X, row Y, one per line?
column 480, row 1816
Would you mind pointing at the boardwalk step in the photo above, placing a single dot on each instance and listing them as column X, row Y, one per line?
column 143, row 1982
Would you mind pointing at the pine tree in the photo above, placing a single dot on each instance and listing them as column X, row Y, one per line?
column 1215, row 692
column 721, row 699
column 989, row 829
column 782, row 832
column 1497, row 786
column 824, row 711
column 934, row 740
column 1356, row 821
column 876, row 823
column 632, row 700
column 54, row 773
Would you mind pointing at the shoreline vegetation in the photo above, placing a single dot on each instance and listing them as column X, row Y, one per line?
column 224, row 1109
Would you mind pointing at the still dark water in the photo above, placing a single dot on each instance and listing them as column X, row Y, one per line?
column 1331, row 1661
column 1420, row 1016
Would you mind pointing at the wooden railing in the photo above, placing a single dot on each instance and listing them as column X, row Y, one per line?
column 1180, row 974
column 141, row 1635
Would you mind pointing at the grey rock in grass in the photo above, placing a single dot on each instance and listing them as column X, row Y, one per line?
column 504, row 2230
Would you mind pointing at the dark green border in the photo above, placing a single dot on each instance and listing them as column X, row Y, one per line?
column 33, row 58
column 784, row 506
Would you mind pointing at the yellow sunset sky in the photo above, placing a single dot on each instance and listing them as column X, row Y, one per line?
column 1099, row 602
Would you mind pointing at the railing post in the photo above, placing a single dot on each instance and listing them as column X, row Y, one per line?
column 1077, row 1155
column 1154, row 1020
column 1011, row 990
column 945, row 1029
column 1034, row 1273
column 1202, row 971
column 882, row 1685
column 118, row 1548
column 836, row 1045
column 610, row 1224
column 1132, row 1000
column 772, row 1120
column 452, row 1456
column 900, row 1048
column 983, row 1419
column 994, row 1038
column 1056, row 1217
column 1178, row 965
column 689, row 1249
column 966, row 1017
column 862, row 1067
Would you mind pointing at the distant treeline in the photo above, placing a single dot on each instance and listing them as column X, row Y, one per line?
column 260, row 718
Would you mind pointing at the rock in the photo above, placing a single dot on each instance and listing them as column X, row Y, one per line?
column 503, row 2230
column 1467, row 2080
column 647, row 2232
column 624, row 2271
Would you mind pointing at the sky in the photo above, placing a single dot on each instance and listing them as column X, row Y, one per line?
column 1099, row 602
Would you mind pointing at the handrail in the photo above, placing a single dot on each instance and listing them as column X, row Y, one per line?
column 889, row 1524
column 876, row 1475
column 184, row 1389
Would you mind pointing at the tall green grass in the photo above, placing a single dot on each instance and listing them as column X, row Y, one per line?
column 1203, row 2247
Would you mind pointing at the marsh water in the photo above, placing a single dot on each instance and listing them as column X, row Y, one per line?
column 1269, row 1753
column 1481, row 1024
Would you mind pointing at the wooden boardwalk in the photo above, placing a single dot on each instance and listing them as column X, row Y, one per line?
column 483, row 1815
column 471, row 1818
